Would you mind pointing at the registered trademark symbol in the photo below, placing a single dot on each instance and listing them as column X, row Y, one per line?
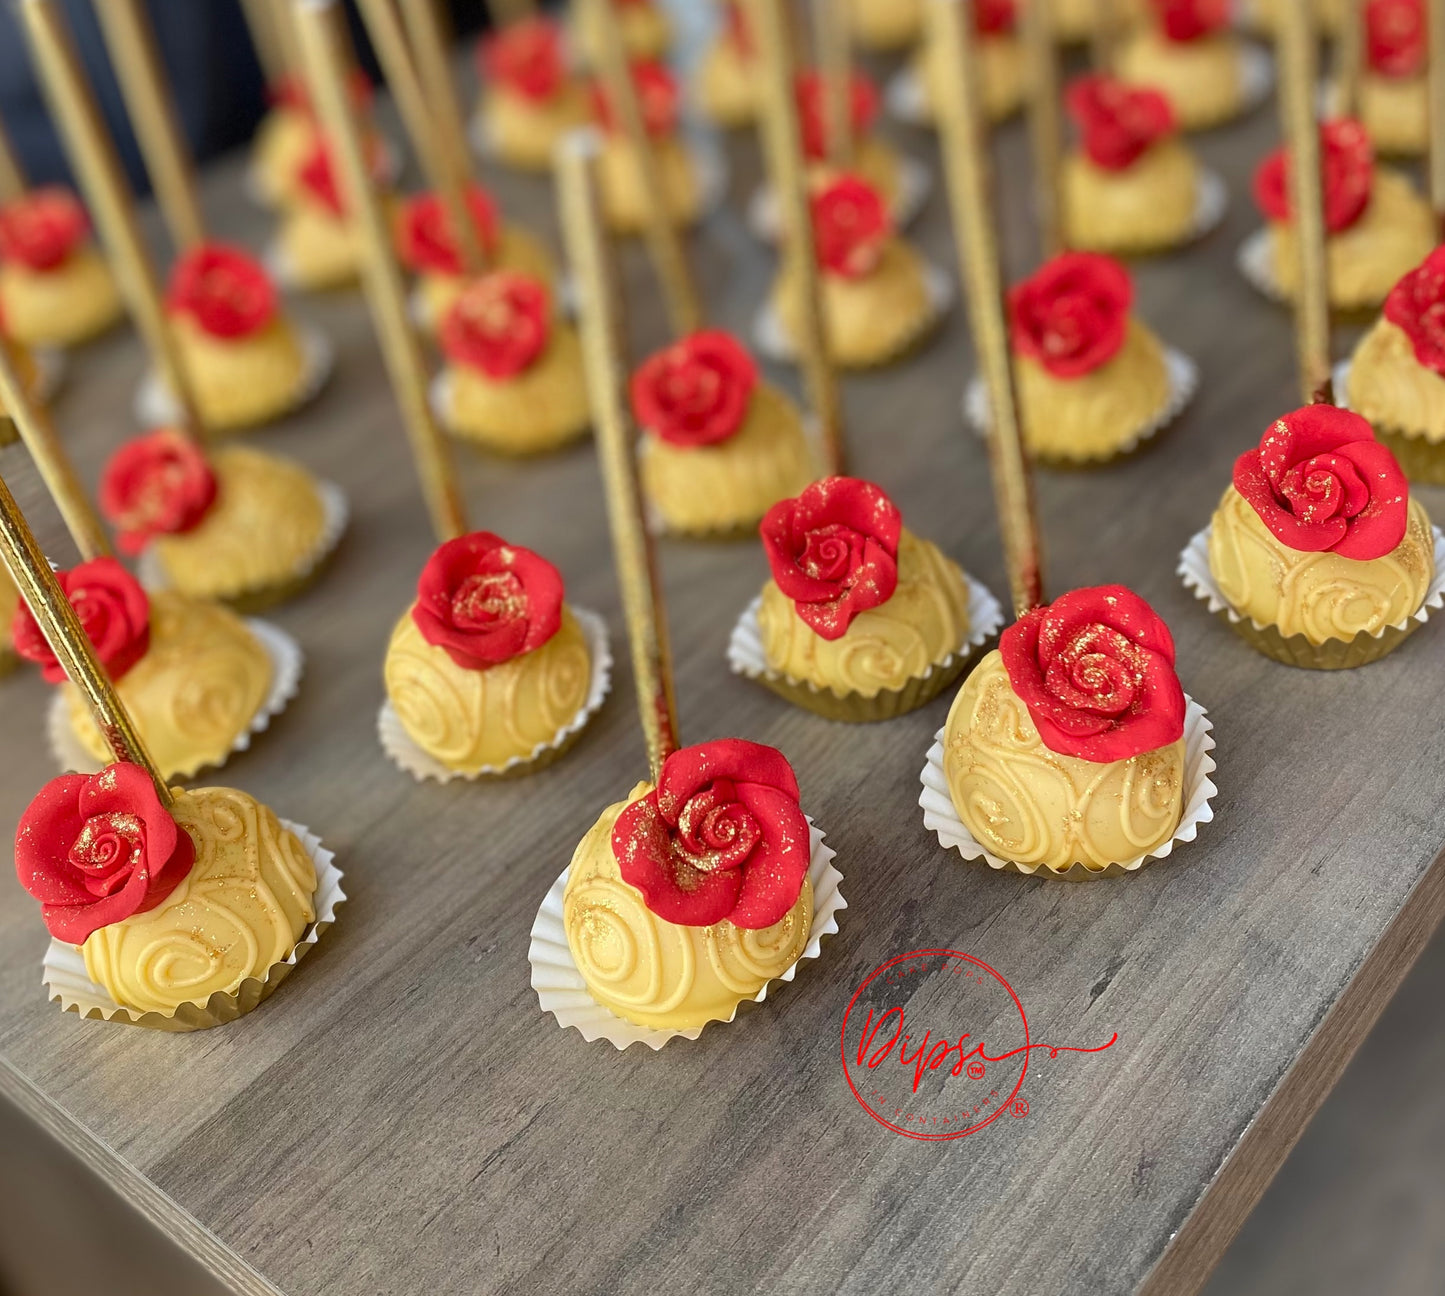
column 1020, row 1107
column 975, row 1070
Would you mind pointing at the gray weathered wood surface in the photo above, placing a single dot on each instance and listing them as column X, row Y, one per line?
column 400, row 1117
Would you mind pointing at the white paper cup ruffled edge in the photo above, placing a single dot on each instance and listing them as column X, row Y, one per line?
column 940, row 817
column 63, row 974
column 915, row 184
column 1183, row 383
column 745, row 644
column 1256, row 77
column 1256, row 263
column 773, row 342
column 562, row 992
column 904, row 99
column 1211, row 201
column 154, row 406
column 287, row 664
column 405, row 754
column 1194, row 571
column 335, row 513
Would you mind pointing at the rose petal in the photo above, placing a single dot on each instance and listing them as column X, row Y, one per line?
column 676, row 893
column 773, row 878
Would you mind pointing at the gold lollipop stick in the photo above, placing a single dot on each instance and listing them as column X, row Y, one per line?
column 326, row 49
column 1041, row 64
column 261, row 23
column 68, row 640
column 93, row 153
column 389, row 40
column 970, row 186
column 51, row 461
column 1349, row 59
column 287, row 40
column 605, row 362
column 782, row 144
column 664, row 241
column 1106, row 35
column 506, row 12
column 148, row 99
column 1298, row 75
column 835, row 66
column 1435, row 24
column 12, row 174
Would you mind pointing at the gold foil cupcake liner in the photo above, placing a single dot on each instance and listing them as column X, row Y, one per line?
column 287, row 663
column 1420, row 459
column 562, row 991
column 1183, row 377
column 407, row 755
column 155, row 406
column 67, row 984
column 915, row 184
column 940, row 816
column 771, row 339
column 1297, row 650
column 747, row 657
column 335, row 513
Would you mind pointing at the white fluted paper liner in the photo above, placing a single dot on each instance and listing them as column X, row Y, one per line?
column 398, row 744
column 562, row 992
column 1256, row 77
column 1183, row 383
column 1194, row 570
column 940, row 816
column 388, row 172
column 287, row 663
column 154, row 405
column 745, row 645
column 1211, row 200
column 1255, row 259
column 335, row 513
column 904, row 98
column 772, row 340
column 915, row 183
column 64, row 975
column 1340, row 381
column 49, row 372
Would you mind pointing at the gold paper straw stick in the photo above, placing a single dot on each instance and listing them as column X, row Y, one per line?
column 326, row 48
column 147, row 94
column 51, row 461
column 505, row 12
column 261, row 23
column 1106, row 35
column 68, row 640
column 782, row 144
column 1306, row 197
column 12, row 174
column 1435, row 25
column 664, row 240
column 287, row 41
column 1349, row 59
column 389, row 40
column 835, row 67
column 605, row 363
column 1041, row 74
column 108, row 194
column 970, row 200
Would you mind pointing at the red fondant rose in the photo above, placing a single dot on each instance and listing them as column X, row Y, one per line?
column 156, row 484
column 720, row 837
column 1187, row 20
column 98, row 848
column 1395, row 37
column 223, row 289
column 696, row 392
column 994, row 17
column 1348, row 162
column 656, row 95
column 426, row 241
column 850, row 226
column 1072, row 314
column 318, row 178
column 1117, row 122
column 813, row 110
column 1096, row 670
column 41, row 228
column 1321, row 483
column 834, row 551
column 526, row 57
column 1417, row 305
column 114, row 613
column 498, row 324
column 486, row 601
